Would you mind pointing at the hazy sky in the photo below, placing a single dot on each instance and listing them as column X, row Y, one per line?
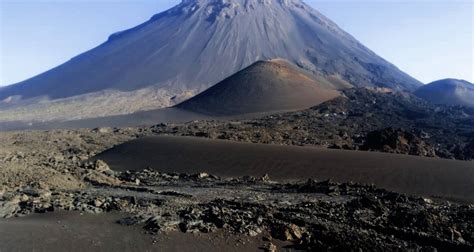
column 429, row 40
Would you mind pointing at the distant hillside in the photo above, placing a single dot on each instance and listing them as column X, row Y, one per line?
column 263, row 87
column 448, row 91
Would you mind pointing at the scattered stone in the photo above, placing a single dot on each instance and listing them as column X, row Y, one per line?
column 266, row 178
column 202, row 175
column 98, row 202
column 9, row 208
column 101, row 166
column 428, row 201
column 282, row 232
column 270, row 247
column 267, row 238
column 24, row 198
column 456, row 236
column 100, row 179
column 295, row 231
column 102, row 130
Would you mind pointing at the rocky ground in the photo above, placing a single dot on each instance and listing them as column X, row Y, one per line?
column 362, row 119
column 49, row 171
column 312, row 215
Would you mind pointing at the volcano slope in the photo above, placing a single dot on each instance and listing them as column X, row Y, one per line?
column 448, row 91
column 187, row 49
column 267, row 86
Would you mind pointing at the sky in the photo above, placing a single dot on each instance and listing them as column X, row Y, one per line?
column 428, row 39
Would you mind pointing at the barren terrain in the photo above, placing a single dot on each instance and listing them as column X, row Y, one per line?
column 52, row 172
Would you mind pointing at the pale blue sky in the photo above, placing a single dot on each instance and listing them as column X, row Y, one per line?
column 429, row 40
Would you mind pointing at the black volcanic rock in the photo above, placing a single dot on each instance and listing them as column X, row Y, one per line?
column 265, row 86
column 448, row 91
column 397, row 141
column 198, row 43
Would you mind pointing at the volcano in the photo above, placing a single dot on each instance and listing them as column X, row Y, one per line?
column 263, row 87
column 190, row 47
column 449, row 92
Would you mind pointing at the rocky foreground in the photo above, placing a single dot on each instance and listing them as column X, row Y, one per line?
column 313, row 215
column 49, row 171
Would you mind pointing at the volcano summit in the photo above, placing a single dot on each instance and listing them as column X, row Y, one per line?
column 190, row 47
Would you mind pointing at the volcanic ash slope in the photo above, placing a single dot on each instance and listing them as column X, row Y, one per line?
column 265, row 86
